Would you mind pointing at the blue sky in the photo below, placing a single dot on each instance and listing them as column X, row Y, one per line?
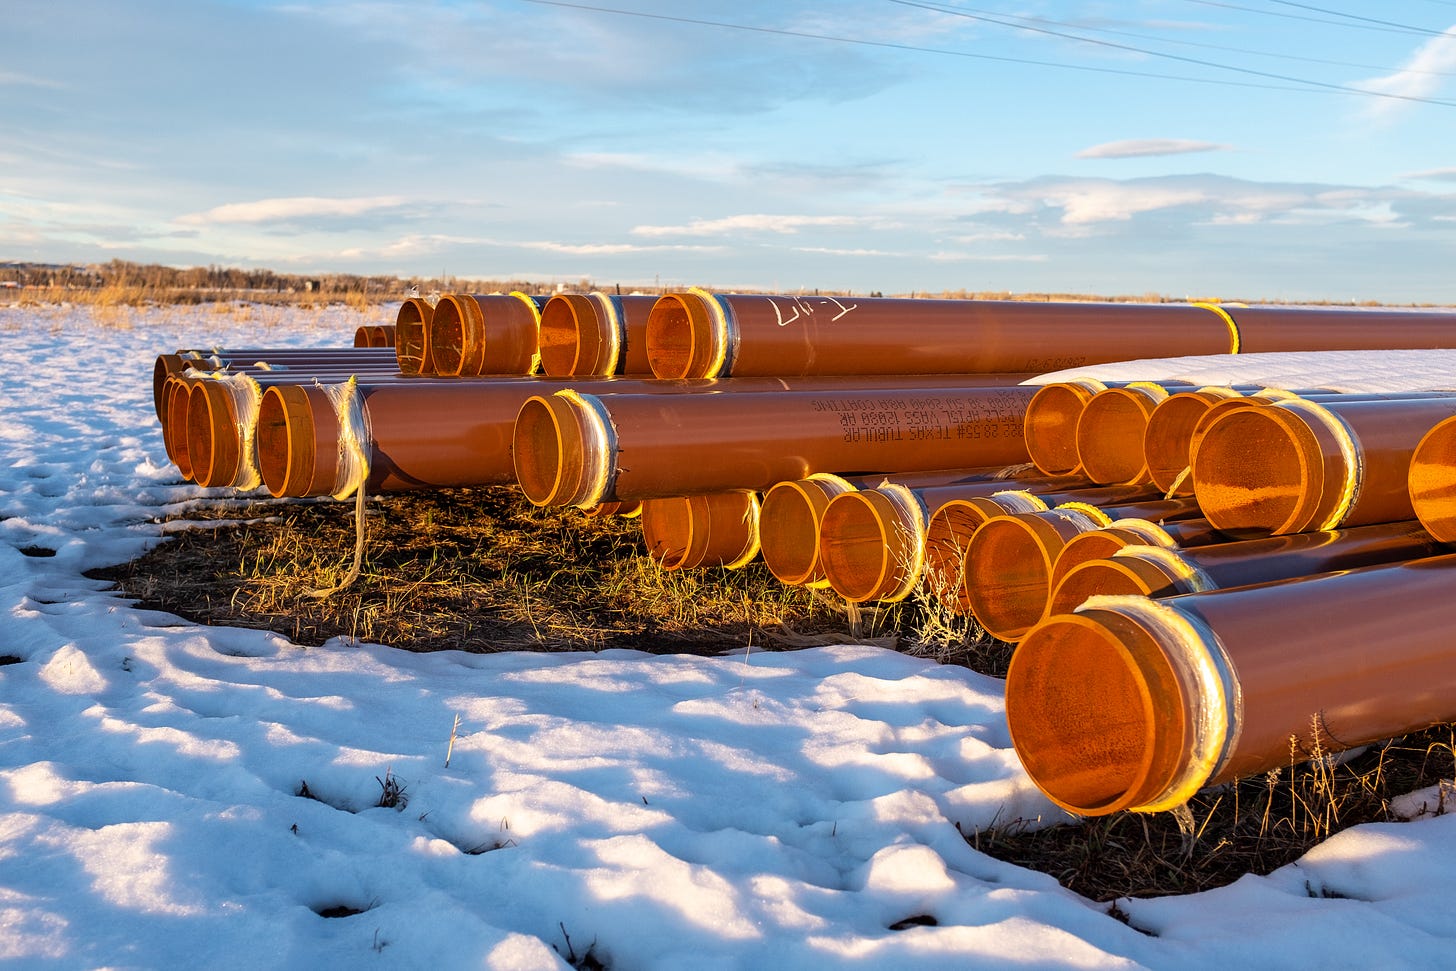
column 1251, row 149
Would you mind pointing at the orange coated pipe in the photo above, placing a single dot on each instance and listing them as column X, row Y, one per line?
column 1100, row 544
column 495, row 333
column 596, row 334
column 791, row 515
column 689, row 532
column 1263, row 329
column 700, row 334
column 1432, row 481
column 1008, row 566
column 1298, row 465
column 1168, row 437
column 576, row 449
column 1162, row 572
column 873, row 544
column 434, row 432
column 412, row 335
column 1110, row 433
column 1132, row 703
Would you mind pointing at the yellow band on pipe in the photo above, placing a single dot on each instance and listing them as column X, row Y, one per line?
column 1233, row 327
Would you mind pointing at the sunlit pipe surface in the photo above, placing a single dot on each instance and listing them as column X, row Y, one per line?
column 1298, row 465
column 1161, row 572
column 1263, row 329
column 1133, row 703
column 690, row 532
column 1110, row 433
column 698, row 334
column 597, row 333
column 166, row 365
column 1169, row 434
column 412, row 335
column 874, row 544
column 576, row 449
column 1008, row 564
column 953, row 519
column 1432, row 481
column 1099, row 544
column 204, row 423
column 442, row 432
column 484, row 333
column 791, row 514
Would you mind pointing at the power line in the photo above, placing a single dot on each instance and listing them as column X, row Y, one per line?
column 1295, row 16
column 1297, row 85
column 1281, row 55
column 1345, row 88
column 1367, row 20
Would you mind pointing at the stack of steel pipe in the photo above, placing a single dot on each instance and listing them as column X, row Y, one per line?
column 374, row 335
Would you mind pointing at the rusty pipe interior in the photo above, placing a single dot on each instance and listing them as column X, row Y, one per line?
column 1008, row 566
column 1431, row 481
column 1110, row 433
column 412, row 335
column 595, row 334
column 496, row 334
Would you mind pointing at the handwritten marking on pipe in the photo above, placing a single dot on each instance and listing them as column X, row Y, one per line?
column 803, row 308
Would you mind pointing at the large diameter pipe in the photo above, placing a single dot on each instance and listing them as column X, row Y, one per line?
column 1168, row 437
column 1161, row 572
column 1110, row 433
column 495, row 333
column 954, row 518
column 1432, row 481
column 1132, row 703
column 1298, row 465
column 435, row 432
column 595, row 334
column 1009, row 561
column 578, row 449
column 374, row 335
column 1103, row 543
column 411, row 336
column 701, row 334
column 1263, row 329
column 690, row 532
column 791, row 515
column 167, row 365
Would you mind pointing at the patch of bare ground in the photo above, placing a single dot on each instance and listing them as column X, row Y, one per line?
column 483, row 570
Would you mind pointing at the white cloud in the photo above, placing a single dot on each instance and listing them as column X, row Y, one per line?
column 832, row 251
column 954, row 256
column 748, row 223
column 1419, row 77
column 289, row 209
column 1095, row 202
column 1433, row 175
column 1145, row 147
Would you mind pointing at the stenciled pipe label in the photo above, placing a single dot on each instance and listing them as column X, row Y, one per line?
column 925, row 418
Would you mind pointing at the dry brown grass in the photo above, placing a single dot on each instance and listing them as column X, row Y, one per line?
column 483, row 570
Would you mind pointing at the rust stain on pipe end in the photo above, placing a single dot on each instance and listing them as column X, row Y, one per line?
column 1253, row 472
column 571, row 337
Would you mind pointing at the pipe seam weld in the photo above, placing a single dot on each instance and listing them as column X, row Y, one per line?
column 535, row 309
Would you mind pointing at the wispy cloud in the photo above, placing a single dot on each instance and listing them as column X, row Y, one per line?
column 290, row 209
column 833, row 251
column 1144, row 147
column 1419, row 77
column 748, row 223
column 1433, row 175
column 28, row 81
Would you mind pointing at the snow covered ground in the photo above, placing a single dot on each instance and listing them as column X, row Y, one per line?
column 757, row 810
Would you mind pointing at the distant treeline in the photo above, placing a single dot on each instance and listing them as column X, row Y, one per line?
column 152, row 277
